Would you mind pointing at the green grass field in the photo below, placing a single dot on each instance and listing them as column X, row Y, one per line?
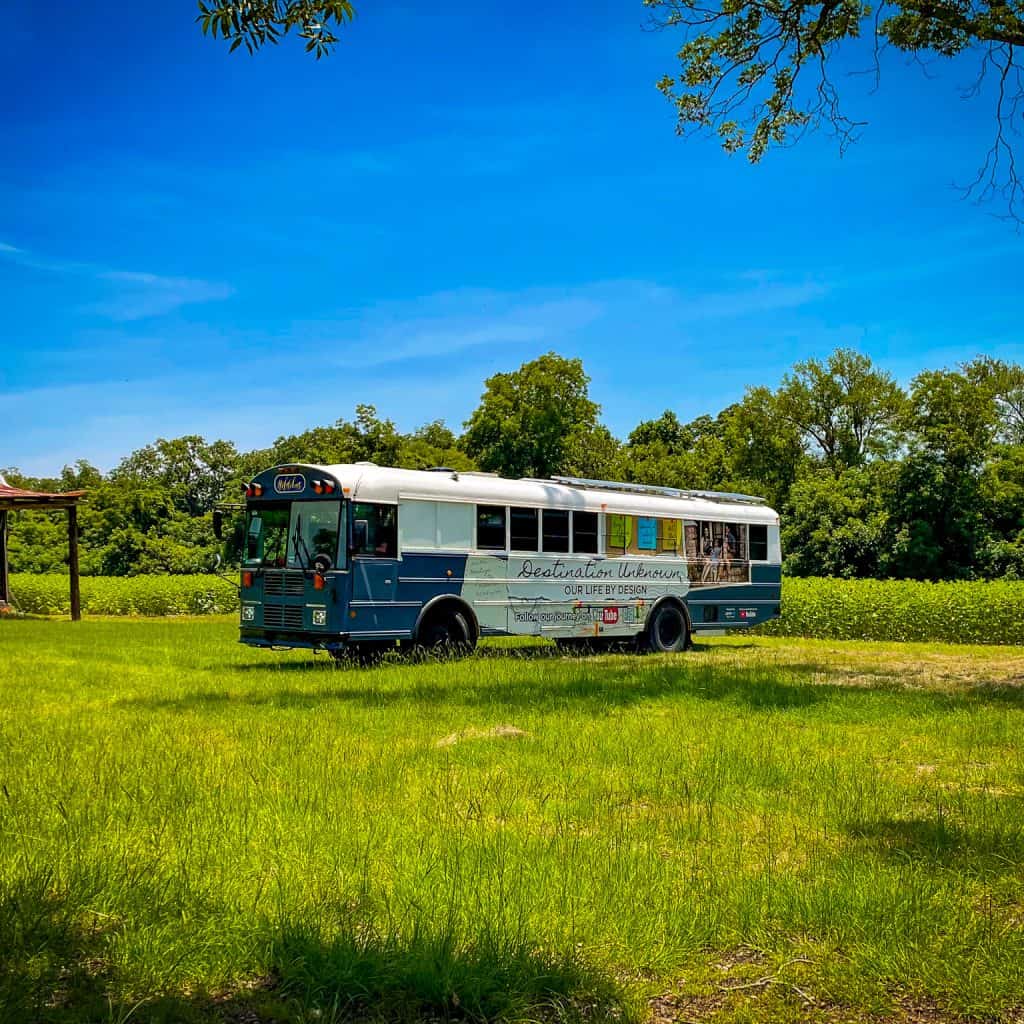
column 761, row 830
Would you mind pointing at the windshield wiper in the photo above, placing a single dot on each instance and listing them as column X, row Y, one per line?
column 298, row 539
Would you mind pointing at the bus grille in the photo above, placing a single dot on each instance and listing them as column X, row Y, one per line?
column 287, row 615
column 276, row 583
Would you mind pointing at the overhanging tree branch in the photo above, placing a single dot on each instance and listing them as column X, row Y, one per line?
column 757, row 72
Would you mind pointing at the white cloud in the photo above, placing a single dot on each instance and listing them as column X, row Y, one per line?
column 130, row 294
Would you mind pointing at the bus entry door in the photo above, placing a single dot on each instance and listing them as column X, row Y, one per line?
column 374, row 585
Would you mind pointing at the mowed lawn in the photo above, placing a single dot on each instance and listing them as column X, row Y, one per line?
column 761, row 829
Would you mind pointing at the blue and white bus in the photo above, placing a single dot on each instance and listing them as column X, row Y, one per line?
column 362, row 557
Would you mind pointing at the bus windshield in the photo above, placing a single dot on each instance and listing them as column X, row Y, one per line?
column 292, row 535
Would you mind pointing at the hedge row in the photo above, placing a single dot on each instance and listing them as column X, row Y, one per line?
column 982, row 613
column 967, row 613
column 126, row 595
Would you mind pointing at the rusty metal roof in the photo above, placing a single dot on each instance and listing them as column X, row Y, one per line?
column 17, row 497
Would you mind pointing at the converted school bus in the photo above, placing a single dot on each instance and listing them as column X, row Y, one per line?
column 364, row 557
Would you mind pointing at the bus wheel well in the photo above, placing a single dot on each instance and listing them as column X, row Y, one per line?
column 444, row 606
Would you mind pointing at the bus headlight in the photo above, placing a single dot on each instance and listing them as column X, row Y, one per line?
column 248, row 613
column 319, row 616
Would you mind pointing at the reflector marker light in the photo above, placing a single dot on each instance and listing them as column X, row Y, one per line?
column 246, row 579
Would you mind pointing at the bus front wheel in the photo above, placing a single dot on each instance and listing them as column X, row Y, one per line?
column 667, row 630
column 446, row 631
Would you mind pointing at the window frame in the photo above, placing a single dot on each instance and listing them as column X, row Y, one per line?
column 535, row 548
column 567, row 512
column 596, row 534
column 477, row 546
column 351, row 531
column 750, row 542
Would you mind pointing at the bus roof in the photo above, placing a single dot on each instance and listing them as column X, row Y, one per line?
column 365, row 481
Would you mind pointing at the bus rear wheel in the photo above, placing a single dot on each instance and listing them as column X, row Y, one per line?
column 667, row 630
column 446, row 632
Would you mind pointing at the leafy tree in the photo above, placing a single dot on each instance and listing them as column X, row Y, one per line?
column 1002, row 490
column 528, row 419
column 1005, row 381
column 594, row 453
column 760, row 74
column 254, row 23
column 765, row 450
column 190, row 470
column 937, row 502
column 665, row 430
column 365, row 439
column 673, row 454
column 843, row 408
column 432, row 445
column 837, row 524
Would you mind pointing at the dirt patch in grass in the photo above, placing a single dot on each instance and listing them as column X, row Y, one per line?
column 496, row 732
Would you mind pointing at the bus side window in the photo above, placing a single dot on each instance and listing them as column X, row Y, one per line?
column 375, row 530
column 584, row 533
column 490, row 527
column 523, row 529
column 555, row 531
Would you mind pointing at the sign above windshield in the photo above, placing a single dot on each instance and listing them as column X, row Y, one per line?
column 289, row 483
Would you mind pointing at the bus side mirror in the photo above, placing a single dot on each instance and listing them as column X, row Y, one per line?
column 218, row 524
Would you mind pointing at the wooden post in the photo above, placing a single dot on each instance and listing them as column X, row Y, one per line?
column 5, row 583
column 76, row 601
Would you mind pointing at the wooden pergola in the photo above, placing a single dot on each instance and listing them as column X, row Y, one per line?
column 14, row 498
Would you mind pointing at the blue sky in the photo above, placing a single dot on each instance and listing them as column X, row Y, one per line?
column 198, row 242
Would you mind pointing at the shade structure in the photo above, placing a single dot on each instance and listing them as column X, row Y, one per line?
column 14, row 498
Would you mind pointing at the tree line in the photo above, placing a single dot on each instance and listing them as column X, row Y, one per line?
column 871, row 479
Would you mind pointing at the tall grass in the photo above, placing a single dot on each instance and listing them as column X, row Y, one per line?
column 982, row 613
column 190, row 829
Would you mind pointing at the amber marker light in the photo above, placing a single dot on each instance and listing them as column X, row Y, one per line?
column 246, row 579
column 319, row 582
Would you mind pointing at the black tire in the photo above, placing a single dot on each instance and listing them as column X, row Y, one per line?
column 447, row 632
column 668, row 630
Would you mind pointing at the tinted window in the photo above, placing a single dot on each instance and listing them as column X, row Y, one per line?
column 523, row 529
column 312, row 531
column 266, row 537
column 490, row 527
column 374, row 530
column 584, row 532
column 556, row 531
column 759, row 543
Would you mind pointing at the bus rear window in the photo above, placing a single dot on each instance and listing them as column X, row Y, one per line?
column 758, row 543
